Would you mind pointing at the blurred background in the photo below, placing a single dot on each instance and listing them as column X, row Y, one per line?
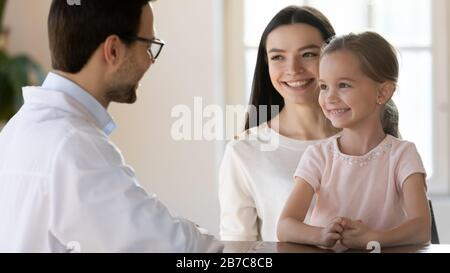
column 210, row 53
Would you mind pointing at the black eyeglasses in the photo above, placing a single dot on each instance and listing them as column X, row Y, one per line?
column 155, row 45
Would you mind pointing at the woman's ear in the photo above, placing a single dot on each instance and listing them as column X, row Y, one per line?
column 385, row 92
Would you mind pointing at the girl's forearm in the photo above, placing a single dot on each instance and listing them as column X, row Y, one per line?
column 414, row 231
column 293, row 230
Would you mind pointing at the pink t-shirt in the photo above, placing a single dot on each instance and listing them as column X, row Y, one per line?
column 367, row 188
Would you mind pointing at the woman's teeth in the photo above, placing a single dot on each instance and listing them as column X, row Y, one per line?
column 297, row 84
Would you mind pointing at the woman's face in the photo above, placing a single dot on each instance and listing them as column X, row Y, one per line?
column 293, row 58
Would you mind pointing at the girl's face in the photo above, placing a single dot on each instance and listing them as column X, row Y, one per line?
column 293, row 59
column 349, row 98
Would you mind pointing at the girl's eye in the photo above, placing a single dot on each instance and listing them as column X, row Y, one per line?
column 344, row 85
column 276, row 58
column 323, row 87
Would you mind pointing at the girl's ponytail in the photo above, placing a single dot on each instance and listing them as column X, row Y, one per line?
column 389, row 119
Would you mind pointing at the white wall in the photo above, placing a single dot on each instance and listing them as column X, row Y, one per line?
column 27, row 21
column 183, row 174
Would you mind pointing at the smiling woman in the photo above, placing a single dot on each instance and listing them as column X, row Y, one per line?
column 292, row 61
column 254, row 182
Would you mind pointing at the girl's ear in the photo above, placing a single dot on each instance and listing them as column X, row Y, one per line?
column 385, row 92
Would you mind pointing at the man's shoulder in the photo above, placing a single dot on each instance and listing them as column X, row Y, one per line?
column 63, row 126
column 53, row 127
column 84, row 141
column 34, row 139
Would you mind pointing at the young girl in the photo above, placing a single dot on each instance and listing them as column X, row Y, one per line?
column 370, row 185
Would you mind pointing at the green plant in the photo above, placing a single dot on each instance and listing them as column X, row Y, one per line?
column 2, row 9
column 15, row 72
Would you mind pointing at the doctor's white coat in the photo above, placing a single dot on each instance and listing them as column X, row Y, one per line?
column 63, row 184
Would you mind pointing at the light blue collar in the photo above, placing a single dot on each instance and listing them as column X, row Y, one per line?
column 61, row 84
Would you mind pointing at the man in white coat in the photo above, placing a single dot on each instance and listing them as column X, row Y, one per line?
column 63, row 184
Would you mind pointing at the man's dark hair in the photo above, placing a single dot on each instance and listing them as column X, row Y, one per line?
column 76, row 31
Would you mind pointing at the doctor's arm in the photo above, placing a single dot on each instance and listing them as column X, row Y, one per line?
column 97, row 202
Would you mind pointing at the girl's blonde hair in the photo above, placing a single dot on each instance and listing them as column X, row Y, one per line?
column 378, row 60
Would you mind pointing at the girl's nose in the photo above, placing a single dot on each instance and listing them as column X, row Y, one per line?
column 332, row 96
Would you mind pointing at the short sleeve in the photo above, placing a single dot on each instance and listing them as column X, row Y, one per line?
column 238, row 216
column 310, row 166
column 409, row 162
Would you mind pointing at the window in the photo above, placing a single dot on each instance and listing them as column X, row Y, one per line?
column 417, row 28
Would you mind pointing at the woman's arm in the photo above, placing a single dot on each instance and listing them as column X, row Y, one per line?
column 291, row 227
column 238, row 216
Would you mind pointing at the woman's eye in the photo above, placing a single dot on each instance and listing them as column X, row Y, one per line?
column 309, row 55
column 276, row 58
column 344, row 85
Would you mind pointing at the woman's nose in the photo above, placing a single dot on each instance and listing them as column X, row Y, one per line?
column 295, row 66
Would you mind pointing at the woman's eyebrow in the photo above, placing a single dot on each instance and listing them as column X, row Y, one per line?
column 311, row 46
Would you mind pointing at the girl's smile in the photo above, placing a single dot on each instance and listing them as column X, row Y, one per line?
column 338, row 112
column 347, row 96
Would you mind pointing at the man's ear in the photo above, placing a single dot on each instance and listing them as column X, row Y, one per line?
column 113, row 50
column 385, row 92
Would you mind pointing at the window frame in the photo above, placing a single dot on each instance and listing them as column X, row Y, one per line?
column 439, row 184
